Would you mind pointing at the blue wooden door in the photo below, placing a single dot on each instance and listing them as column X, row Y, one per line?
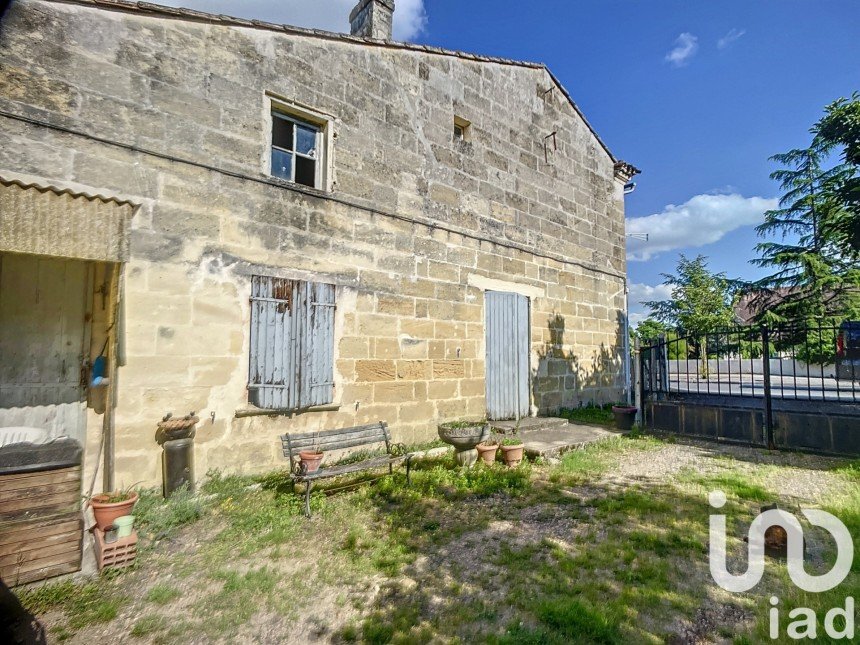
column 507, row 340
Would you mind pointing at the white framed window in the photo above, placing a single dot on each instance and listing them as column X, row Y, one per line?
column 298, row 146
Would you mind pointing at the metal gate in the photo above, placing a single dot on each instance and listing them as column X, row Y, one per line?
column 507, row 340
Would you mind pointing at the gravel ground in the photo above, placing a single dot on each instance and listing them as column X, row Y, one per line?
column 799, row 476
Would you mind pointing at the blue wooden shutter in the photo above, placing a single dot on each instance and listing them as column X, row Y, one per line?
column 321, row 340
column 507, row 354
column 292, row 343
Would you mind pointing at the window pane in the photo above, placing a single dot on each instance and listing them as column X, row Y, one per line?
column 306, row 140
column 306, row 171
column 282, row 132
column 282, row 164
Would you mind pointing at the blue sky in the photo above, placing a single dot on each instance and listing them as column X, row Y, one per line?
column 696, row 94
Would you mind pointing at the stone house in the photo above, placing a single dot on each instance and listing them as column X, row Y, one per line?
column 287, row 229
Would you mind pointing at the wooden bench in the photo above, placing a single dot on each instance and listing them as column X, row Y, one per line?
column 374, row 434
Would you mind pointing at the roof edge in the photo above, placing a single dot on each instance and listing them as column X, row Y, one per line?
column 28, row 182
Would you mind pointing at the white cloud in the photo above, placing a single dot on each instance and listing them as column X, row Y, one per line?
column 639, row 293
column 733, row 35
column 636, row 318
column 410, row 16
column 702, row 220
column 686, row 46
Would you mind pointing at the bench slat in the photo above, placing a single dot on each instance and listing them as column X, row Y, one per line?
column 367, row 464
column 337, row 431
column 338, row 439
column 306, row 440
column 340, row 445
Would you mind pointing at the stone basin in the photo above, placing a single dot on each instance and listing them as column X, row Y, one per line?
column 464, row 438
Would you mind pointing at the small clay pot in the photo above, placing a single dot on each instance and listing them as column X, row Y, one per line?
column 487, row 452
column 310, row 460
column 106, row 512
column 513, row 455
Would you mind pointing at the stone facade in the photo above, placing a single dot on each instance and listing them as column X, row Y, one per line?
column 171, row 113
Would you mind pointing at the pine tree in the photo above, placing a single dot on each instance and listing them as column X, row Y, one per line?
column 840, row 128
column 813, row 278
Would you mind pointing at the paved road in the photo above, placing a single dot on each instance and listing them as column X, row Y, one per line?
column 787, row 387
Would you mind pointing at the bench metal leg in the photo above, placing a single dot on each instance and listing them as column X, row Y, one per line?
column 408, row 468
column 308, row 487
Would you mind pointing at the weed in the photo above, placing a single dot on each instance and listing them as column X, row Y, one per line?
column 736, row 484
column 94, row 603
column 569, row 619
column 148, row 625
column 224, row 486
column 161, row 594
column 598, row 414
column 83, row 604
column 52, row 595
column 159, row 518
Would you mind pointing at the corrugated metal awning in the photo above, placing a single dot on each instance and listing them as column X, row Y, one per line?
column 42, row 219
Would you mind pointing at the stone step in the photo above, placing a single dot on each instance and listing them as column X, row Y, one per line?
column 554, row 442
column 529, row 424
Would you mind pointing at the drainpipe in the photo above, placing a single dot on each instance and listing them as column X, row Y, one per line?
column 626, row 342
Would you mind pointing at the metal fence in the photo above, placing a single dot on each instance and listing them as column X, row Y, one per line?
column 808, row 363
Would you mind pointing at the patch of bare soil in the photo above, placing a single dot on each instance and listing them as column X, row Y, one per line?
column 711, row 624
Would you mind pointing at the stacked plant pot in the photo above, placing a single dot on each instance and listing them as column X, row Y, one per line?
column 115, row 538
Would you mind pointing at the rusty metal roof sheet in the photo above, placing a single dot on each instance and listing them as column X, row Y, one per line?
column 201, row 16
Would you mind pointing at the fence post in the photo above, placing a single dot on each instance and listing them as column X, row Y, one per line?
column 637, row 383
column 768, row 410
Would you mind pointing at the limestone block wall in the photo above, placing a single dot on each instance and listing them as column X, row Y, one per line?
column 170, row 114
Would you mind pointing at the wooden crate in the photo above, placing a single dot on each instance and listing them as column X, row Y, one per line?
column 41, row 525
column 117, row 554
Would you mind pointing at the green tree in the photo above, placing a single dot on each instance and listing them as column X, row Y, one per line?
column 811, row 279
column 840, row 128
column 649, row 330
column 701, row 303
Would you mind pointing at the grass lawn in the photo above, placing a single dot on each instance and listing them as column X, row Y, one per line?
column 607, row 546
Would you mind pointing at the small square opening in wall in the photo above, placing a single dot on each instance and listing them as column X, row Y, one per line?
column 462, row 129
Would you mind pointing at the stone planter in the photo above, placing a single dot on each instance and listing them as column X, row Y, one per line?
column 625, row 415
column 464, row 436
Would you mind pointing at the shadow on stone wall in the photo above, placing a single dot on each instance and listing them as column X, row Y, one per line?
column 564, row 379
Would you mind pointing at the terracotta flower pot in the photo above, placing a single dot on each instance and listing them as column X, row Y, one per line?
column 106, row 512
column 487, row 452
column 513, row 455
column 310, row 460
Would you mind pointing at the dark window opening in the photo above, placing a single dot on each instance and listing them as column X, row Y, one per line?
column 296, row 150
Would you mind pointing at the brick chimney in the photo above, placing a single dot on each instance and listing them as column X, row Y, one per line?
column 372, row 19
